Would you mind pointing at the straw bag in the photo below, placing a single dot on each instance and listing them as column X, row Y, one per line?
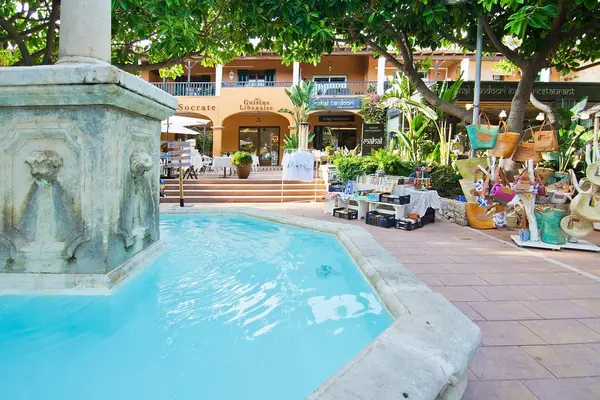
column 478, row 217
column 526, row 151
column 522, row 182
column 544, row 174
column 545, row 141
column 483, row 137
column 469, row 166
column 576, row 227
column 505, row 144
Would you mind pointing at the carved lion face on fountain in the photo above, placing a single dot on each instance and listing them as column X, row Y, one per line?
column 139, row 163
column 44, row 164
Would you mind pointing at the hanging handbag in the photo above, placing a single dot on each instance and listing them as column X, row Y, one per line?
column 545, row 141
column 501, row 191
column 525, row 151
column 505, row 144
column 522, row 183
column 539, row 186
column 483, row 137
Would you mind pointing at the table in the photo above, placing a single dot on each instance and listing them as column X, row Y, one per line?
column 420, row 200
column 223, row 162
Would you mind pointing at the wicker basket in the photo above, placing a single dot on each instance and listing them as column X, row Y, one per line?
column 478, row 218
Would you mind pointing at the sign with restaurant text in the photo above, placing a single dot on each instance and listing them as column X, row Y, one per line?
column 339, row 103
column 543, row 91
column 372, row 138
column 336, row 118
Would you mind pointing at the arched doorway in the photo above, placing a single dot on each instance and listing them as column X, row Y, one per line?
column 337, row 129
column 259, row 133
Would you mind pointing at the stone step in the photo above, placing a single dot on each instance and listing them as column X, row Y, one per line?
column 239, row 199
column 236, row 193
column 235, row 181
column 244, row 187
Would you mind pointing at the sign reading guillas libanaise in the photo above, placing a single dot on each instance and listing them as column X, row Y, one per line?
column 256, row 105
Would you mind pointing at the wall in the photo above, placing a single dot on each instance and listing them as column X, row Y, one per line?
column 282, row 73
column 355, row 67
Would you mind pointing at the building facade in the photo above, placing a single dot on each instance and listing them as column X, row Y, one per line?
column 242, row 99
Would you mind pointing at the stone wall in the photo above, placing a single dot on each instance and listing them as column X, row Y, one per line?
column 454, row 211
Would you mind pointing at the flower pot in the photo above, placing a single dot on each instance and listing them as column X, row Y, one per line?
column 243, row 171
column 559, row 176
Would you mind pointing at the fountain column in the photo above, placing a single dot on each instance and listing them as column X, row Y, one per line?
column 80, row 153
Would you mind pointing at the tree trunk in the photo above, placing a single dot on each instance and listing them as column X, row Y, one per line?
column 521, row 99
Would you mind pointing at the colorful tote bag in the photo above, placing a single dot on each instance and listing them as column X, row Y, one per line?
column 483, row 136
column 505, row 144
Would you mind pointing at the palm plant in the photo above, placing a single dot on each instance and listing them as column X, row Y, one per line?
column 403, row 96
column 301, row 96
column 448, row 93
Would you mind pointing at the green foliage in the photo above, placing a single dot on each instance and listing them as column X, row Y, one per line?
column 570, row 137
column 241, row 158
column 372, row 110
column 172, row 72
column 204, row 143
column 351, row 166
column 505, row 66
column 290, row 141
column 301, row 96
column 446, row 180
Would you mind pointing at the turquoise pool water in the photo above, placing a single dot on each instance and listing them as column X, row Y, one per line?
column 237, row 308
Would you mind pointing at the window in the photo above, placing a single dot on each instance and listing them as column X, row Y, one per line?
column 497, row 77
column 256, row 78
column 330, row 85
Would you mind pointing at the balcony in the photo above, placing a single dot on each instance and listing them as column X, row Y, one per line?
column 347, row 88
column 187, row 89
column 253, row 84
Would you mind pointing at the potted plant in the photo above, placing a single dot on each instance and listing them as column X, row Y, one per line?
column 243, row 163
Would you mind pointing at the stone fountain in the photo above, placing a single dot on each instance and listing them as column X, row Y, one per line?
column 79, row 155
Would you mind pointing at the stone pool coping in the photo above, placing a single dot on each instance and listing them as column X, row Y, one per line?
column 423, row 355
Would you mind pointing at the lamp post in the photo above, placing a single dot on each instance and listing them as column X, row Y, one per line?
column 477, row 89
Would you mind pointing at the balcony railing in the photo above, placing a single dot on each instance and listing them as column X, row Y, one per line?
column 255, row 84
column 187, row 89
column 345, row 88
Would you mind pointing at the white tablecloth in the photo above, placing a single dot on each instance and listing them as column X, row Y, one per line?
column 420, row 200
column 222, row 162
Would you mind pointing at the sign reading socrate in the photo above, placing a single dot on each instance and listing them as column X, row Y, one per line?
column 372, row 138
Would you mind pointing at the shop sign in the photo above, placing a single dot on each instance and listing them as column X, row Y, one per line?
column 336, row 118
column 372, row 138
column 256, row 104
column 339, row 103
column 544, row 91
column 187, row 107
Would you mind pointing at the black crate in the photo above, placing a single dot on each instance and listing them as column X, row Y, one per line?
column 400, row 200
column 429, row 217
column 376, row 218
column 342, row 213
column 405, row 225
column 336, row 188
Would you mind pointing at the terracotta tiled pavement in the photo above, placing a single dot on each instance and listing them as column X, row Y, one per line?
column 540, row 320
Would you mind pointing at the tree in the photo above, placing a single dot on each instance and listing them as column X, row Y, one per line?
column 533, row 34
column 301, row 96
column 146, row 34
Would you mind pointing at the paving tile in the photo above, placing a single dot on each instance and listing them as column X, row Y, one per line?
column 503, row 310
column 591, row 290
column 501, row 293
column 593, row 323
column 594, row 346
column 430, row 259
column 554, row 309
column 460, row 279
column 468, row 311
column 459, row 293
column 553, row 278
column 508, row 269
column 567, row 361
column 425, row 268
column 543, row 267
column 592, row 305
column 470, row 259
column 563, row 331
column 505, row 279
column 466, row 268
column 563, row 389
column 552, row 292
column 507, row 333
column 498, row 363
column 497, row 390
